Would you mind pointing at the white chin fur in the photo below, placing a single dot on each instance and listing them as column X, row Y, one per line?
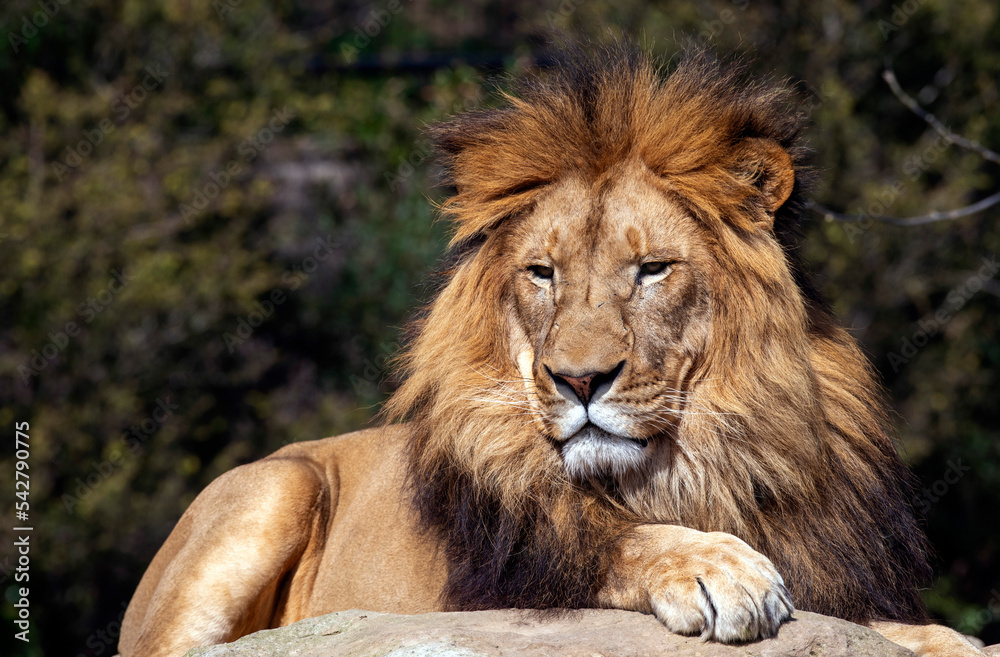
column 593, row 452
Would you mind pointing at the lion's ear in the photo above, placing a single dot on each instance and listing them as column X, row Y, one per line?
column 768, row 167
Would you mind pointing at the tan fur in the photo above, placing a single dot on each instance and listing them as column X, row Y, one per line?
column 927, row 640
column 624, row 396
column 316, row 527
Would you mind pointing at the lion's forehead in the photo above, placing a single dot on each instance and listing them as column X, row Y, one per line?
column 607, row 225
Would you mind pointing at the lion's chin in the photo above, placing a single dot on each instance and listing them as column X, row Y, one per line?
column 593, row 452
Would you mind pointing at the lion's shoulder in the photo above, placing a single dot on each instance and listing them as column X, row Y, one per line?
column 374, row 453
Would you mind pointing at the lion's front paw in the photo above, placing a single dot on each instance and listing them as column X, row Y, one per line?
column 717, row 586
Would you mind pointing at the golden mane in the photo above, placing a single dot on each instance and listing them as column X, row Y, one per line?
column 790, row 449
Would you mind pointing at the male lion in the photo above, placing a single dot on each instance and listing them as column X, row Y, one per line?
column 625, row 396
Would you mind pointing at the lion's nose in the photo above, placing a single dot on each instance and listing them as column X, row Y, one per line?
column 585, row 385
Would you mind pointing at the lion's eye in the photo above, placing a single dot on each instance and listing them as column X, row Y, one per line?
column 541, row 271
column 653, row 268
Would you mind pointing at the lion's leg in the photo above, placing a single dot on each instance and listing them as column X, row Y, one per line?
column 696, row 582
column 217, row 575
column 927, row 640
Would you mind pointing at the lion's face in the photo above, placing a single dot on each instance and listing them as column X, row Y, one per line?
column 612, row 309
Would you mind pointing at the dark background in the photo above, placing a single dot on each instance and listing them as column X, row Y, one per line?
column 183, row 334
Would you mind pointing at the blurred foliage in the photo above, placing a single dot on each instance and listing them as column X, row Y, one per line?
column 239, row 241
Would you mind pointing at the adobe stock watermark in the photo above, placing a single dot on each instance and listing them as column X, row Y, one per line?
column 931, row 494
column 372, row 26
column 565, row 9
column 422, row 150
column 293, row 278
column 223, row 7
column 248, row 151
column 900, row 16
column 105, row 639
column 32, row 23
column 87, row 311
column 914, row 166
column 366, row 385
column 121, row 108
column 726, row 17
column 408, row 165
column 133, row 441
column 983, row 616
column 931, row 324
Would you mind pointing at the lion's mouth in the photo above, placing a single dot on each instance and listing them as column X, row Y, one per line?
column 592, row 430
column 592, row 451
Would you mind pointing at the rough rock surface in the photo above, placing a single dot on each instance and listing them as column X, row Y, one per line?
column 514, row 633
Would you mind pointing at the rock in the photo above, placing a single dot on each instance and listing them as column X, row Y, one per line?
column 516, row 633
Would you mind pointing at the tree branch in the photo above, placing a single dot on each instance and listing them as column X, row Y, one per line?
column 946, row 215
column 890, row 77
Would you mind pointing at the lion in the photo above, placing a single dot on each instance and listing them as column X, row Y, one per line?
column 625, row 395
